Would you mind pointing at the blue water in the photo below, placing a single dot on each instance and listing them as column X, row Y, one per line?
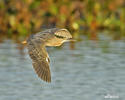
column 92, row 71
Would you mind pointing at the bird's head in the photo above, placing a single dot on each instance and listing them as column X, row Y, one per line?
column 63, row 35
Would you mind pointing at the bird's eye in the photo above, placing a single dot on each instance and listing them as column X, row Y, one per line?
column 59, row 36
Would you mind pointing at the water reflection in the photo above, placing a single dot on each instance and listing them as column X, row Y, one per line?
column 91, row 70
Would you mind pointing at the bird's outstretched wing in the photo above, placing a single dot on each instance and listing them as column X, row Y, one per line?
column 40, row 59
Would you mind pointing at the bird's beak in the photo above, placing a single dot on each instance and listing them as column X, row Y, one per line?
column 24, row 42
column 70, row 40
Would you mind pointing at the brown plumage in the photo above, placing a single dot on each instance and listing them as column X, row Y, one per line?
column 37, row 51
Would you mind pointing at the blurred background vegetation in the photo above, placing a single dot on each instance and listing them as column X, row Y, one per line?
column 20, row 18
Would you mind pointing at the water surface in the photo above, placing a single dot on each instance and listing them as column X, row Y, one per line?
column 92, row 71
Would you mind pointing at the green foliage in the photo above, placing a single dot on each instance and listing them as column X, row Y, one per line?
column 22, row 17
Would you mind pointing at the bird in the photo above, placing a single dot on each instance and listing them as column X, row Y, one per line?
column 37, row 44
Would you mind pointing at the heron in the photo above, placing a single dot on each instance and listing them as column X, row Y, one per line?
column 37, row 44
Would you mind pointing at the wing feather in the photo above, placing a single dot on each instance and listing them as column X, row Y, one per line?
column 38, row 55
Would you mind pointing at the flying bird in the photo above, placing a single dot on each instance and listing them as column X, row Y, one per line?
column 37, row 49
